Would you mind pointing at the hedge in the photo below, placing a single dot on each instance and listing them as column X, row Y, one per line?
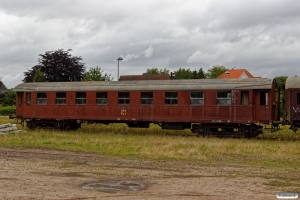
column 8, row 110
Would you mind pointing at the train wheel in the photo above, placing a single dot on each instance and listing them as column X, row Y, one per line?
column 206, row 133
column 294, row 128
column 31, row 125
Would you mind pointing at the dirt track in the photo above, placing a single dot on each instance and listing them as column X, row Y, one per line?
column 38, row 174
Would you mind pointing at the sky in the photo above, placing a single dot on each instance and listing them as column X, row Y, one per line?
column 261, row 36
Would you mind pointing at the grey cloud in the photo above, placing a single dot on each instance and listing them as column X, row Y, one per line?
column 261, row 36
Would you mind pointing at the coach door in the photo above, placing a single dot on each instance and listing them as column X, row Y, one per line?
column 19, row 110
column 263, row 108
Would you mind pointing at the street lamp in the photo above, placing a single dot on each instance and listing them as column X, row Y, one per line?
column 120, row 58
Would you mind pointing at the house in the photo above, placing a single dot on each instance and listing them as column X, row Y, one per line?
column 237, row 73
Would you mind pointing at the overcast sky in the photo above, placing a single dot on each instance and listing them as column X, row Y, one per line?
column 262, row 36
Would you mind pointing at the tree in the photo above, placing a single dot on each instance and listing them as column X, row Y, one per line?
column 9, row 99
column 3, row 91
column 155, row 71
column 39, row 76
column 57, row 66
column 216, row 71
column 280, row 80
column 200, row 74
column 29, row 75
column 2, row 86
column 96, row 74
column 183, row 74
column 188, row 74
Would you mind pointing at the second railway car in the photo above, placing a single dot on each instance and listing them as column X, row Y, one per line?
column 292, row 102
column 206, row 106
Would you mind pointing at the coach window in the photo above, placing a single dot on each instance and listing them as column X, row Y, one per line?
column 298, row 98
column 41, row 98
column 80, row 98
column 224, row 98
column 101, row 98
column 146, row 97
column 60, row 98
column 28, row 98
column 263, row 98
column 123, row 98
column 197, row 98
column 244, row 97
column 171, row 98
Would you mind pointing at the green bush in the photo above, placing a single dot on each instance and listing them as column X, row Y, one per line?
column 9, row 99
column 8, row 110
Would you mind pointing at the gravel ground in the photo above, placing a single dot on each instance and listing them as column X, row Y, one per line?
column 42, row 174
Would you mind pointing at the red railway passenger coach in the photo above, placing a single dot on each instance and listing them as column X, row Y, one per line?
column 206, row 106
column 292, row 102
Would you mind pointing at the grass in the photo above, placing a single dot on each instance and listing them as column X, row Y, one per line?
column 274, row 156
column 279, row 149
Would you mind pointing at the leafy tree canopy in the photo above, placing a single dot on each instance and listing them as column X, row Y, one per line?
column 96, row 74
column 280, row 80
column 216, row 71
column 2, row 86
column 9, row 99
column 156, row 71
column 57, row 66
column 188, row 74
column 39, row 76
column 29, row 75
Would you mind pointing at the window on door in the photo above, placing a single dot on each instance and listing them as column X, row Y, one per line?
column 245, row 98
column 263, row 98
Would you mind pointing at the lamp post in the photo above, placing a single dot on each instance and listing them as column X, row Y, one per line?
column 120, row 58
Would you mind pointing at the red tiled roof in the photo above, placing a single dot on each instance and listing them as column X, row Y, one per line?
column 236, row 73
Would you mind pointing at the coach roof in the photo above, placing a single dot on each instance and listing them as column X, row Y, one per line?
column 190, row 84
column 292, row 83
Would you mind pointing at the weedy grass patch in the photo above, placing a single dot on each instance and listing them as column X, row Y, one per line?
column 279, row 149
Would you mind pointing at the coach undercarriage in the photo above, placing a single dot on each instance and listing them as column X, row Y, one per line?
column 53, row 124
column 202, row 129
column 227, row 130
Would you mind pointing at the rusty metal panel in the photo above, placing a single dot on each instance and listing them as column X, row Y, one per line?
column 191, row 84
column 146, row 112
column 243, row 113
column 196, row 112
column 221, row 114
column 101, row 112
column 62, row 111
column 44, row 111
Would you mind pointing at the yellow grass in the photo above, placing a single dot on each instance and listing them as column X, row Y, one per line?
column 270, row 149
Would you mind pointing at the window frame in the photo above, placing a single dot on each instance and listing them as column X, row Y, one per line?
column 197, row 98
column 245, row 97
column 145, row 99
column 263, row 99
column 172, row 100
column 125, row 99
column 225, row 99
column 298, row 98
column 41, row 98
column 101, row 100
column 28, row 98
column 62, row 99
column 79, row 98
